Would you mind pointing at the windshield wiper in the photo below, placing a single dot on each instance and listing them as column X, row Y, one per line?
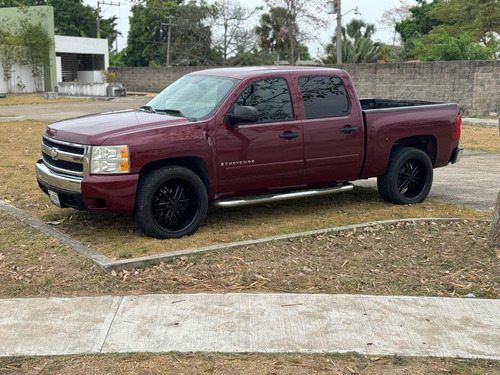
column 174, row 112
column 148, row 108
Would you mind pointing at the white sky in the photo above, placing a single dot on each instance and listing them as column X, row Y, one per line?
column 371, row 11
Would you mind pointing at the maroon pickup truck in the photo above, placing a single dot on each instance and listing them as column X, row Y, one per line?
column 240, row 136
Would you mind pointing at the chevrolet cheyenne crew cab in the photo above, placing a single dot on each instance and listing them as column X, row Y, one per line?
column 237, row 136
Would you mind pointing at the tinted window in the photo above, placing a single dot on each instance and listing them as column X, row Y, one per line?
column 324, row 96
column 271, row 98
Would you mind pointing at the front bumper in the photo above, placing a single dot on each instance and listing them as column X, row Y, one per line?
column 68, row 188
column 457, row 155
column 113, row 193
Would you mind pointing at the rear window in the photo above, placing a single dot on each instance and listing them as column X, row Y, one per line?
column 324, row 96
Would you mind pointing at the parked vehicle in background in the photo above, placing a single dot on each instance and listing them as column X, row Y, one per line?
column 238, row 136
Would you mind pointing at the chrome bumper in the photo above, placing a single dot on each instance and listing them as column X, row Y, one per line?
column 457, row 155
column 56, row 180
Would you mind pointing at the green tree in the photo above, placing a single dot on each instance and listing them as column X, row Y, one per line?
column 190, row 42
column 438, row 45
column 357, row 45
column 73, row 18
column 274, row 37
column 36, row 46
column 478, row 18
column 9, row 53
column 433, row 27
column 419, row 23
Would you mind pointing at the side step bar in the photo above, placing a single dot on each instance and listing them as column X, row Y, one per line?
column 282, row 196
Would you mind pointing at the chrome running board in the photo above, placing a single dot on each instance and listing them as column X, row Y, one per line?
column 282, row 196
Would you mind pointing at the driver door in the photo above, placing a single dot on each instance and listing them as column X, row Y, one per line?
column 265, row 156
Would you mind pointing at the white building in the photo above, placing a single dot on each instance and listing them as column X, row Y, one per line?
column 81, row 59
column 78, row 60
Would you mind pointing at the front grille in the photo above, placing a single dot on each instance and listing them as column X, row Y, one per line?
column 65, row 148
column 64, row 157
column 62, row 164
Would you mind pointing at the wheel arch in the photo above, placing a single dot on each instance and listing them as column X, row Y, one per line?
column 426, row 143
column 193, row 163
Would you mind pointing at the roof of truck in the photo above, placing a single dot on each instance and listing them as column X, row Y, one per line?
column 250, row 71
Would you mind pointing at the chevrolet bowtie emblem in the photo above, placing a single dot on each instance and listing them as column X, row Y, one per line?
column 53, row 153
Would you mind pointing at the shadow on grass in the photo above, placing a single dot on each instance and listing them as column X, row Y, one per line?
column 117, row 236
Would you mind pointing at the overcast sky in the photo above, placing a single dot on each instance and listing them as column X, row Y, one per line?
column 371, row 11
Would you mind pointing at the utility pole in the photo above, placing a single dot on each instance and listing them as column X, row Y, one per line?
column 169, row 25
column 339, row 33
column 98, row 11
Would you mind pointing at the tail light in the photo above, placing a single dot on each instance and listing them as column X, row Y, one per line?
column 458, row 127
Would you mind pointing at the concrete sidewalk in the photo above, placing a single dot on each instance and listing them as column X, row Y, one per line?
column 304, row 323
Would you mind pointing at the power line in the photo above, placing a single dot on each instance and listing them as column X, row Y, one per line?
column 98, row 10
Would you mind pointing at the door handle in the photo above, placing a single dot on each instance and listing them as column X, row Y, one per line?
column 288, row 135
column 349, row 129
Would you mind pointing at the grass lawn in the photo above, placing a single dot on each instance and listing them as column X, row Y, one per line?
column 117, row 235
column 449, row 260
column 255, row 364
column 480, row 138
column 16, row 99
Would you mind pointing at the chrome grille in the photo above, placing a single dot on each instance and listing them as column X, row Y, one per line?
column 62, row 164
column 65, row 157
column 63, row 147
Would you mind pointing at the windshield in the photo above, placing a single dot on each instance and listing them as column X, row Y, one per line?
column 193, row 96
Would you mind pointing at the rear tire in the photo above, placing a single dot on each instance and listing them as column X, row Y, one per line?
column 171, row 202
column 408, row 177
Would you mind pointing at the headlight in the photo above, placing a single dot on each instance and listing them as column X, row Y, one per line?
column 109, row 159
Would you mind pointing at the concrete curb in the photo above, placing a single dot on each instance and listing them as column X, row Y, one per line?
column 39, row 225
column 488, row 123
column 11, row 118
column 109, row 264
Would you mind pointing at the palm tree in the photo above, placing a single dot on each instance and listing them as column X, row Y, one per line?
column 357, row 45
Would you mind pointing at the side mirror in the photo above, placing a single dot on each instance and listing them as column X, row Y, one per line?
column 242, row 114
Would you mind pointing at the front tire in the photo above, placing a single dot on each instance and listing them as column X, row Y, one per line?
column 171, row 202
column 408, row 177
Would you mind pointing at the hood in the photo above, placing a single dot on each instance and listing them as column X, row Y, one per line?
column 95, row 129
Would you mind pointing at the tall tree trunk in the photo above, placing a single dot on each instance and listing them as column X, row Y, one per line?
column 494, row 238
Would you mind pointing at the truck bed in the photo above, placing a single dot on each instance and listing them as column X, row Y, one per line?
column 386, row 105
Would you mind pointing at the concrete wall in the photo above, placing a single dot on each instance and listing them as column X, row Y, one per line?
column 89, row 76
column 475, row 85
column 151, row 79
column 81, row 89
column 21, row 81
column 90, row 89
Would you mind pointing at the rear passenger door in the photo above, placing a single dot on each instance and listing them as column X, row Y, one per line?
column 333, row 132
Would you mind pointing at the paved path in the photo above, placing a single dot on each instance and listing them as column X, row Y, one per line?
column 53, row 112
column 473, row 182
column 305, row 323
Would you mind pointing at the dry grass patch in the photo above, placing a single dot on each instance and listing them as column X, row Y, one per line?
column 449, row 260
column 480, row 138
column 117, row 235
column 12, row 99
column 257, row 364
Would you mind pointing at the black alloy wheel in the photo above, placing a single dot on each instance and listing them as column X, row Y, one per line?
column 412, row 177
column 171, row 202
column 175, row 205
column 408, row 176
